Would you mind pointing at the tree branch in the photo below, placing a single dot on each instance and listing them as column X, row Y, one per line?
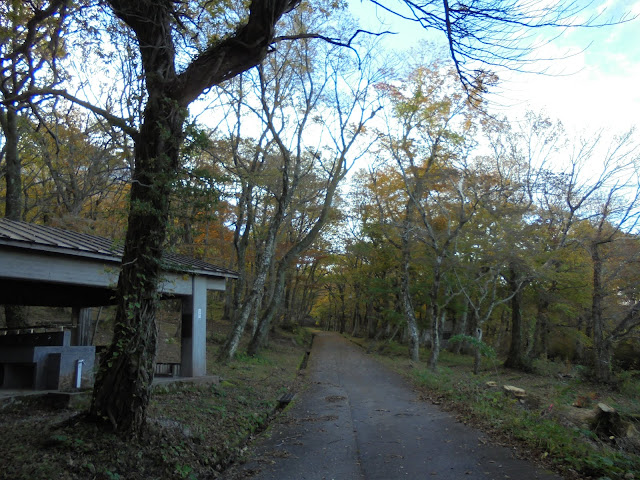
column 333, row 41
column 246, row 48
column 109, row 117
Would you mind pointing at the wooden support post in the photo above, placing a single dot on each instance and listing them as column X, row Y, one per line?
column 83, row 320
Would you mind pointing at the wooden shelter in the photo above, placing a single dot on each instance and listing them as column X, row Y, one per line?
column 46, row 266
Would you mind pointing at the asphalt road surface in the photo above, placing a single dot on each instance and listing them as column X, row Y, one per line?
column 359, row 420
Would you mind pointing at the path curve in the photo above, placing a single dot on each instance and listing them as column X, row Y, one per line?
column 359, row 420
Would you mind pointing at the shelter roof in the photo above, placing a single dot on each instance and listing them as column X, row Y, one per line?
column 53, row 240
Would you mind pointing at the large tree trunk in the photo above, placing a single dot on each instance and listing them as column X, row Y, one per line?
column 541, row 335
column 261, row 335
column 477, row 354
column 123, row 383
column 460, row 328
column 254, row 298
column 405, row 290
column 436, row 333
column 13, row 167
column 601, row 347
column 516, row 357
column 15, row 315
column 409, row 312
column 253, row 302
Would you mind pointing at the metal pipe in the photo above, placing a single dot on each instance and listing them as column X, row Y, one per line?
column 79, row 373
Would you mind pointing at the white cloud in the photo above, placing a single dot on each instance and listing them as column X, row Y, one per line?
column 605, row 6
column 587, row 101
column 586, row 89
column 591, row 89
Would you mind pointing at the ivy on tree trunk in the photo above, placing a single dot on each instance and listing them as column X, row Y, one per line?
column 123, row 384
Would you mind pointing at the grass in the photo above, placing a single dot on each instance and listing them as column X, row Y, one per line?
column 545, row 426
column 195, row 429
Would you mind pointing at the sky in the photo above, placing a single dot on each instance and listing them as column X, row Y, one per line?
column 593, row 83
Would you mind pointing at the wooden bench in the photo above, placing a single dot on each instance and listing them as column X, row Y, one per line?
column 167, row 369
column 44, row 361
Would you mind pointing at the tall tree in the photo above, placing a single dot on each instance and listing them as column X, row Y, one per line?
column 75, row 170
column 300, row 90
column 123, row 383
column 613, row 217
column 29, row 49
column 372, row 266
column 517, row 166
column 353, row 109
column 429, row 139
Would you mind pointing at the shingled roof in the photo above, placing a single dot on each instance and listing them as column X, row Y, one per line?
column 56, row 240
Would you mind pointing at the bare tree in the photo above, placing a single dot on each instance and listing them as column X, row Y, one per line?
column 29, row 51
column 305, row 101
column 429, row 139
column 613, row 217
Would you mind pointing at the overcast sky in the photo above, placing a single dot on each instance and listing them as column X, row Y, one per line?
column 593, row 84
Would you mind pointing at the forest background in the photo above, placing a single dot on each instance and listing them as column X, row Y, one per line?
column 456, row 222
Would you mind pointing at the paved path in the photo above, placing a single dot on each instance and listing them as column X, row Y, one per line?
column 359, row 420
